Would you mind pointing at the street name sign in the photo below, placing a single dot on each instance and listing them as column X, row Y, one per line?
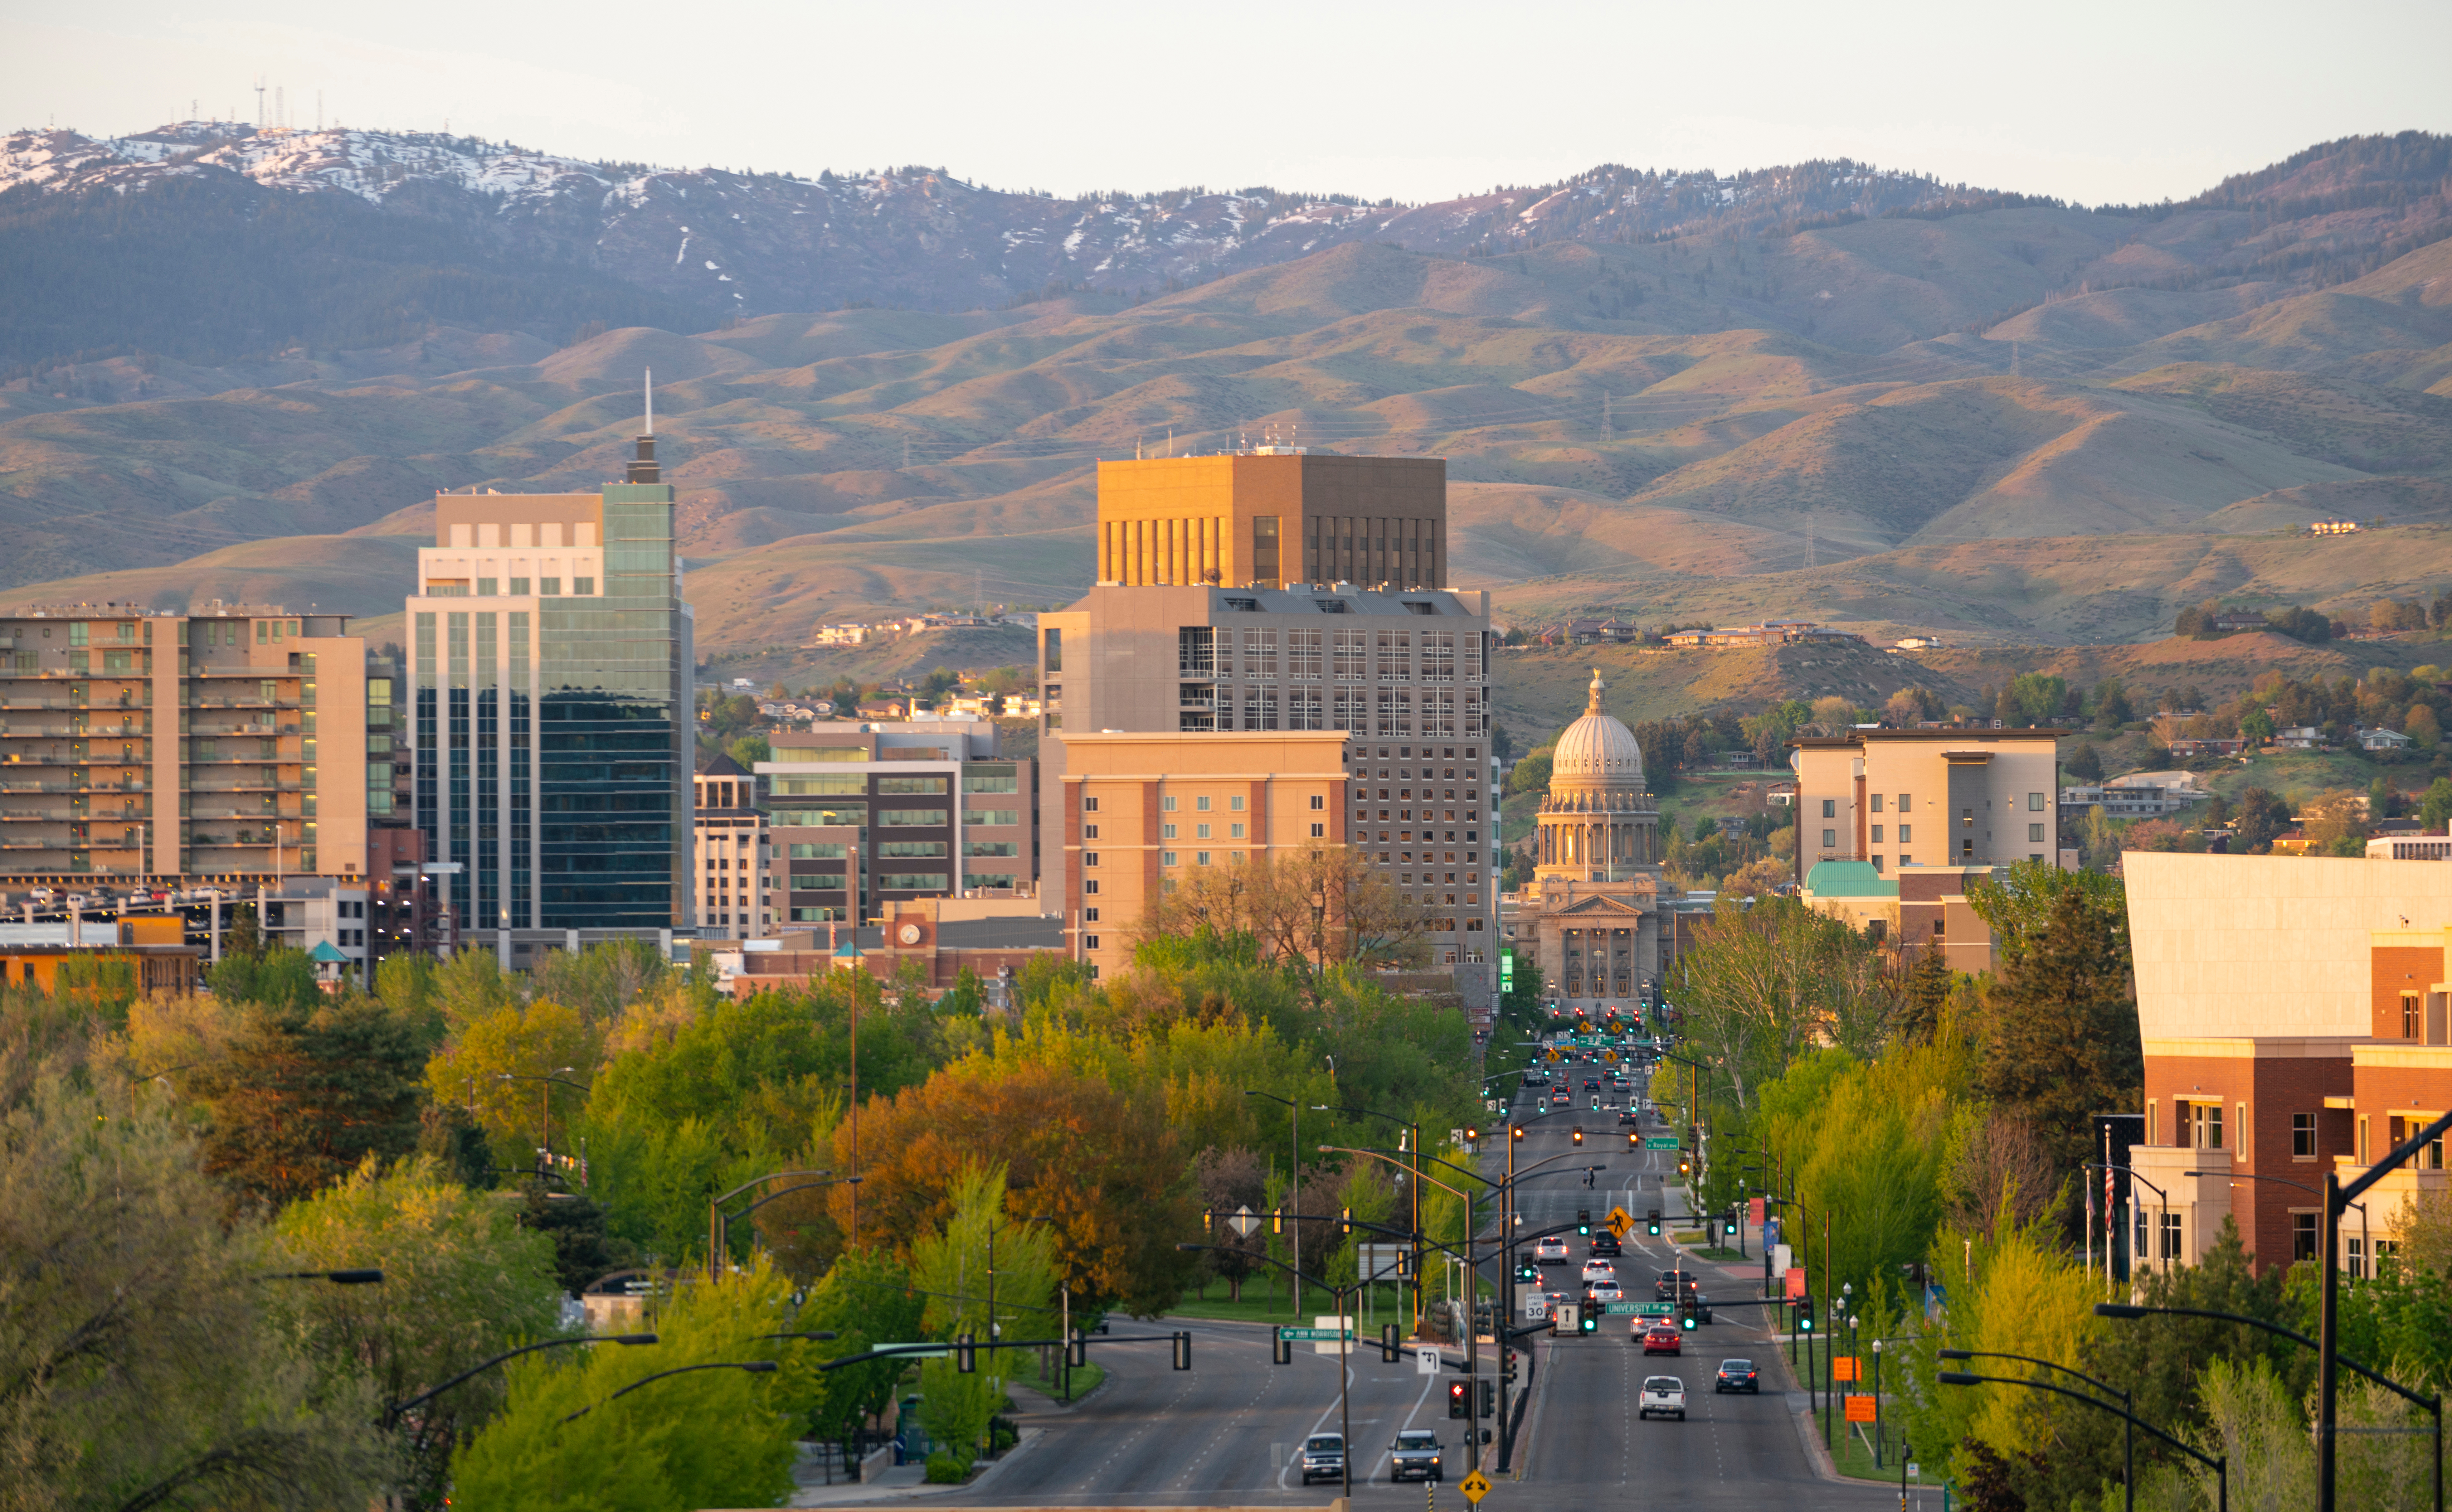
column 1660, row 1141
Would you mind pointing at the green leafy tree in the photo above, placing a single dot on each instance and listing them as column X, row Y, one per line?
column 405, row 981
column 2435, row 806
column 1761, row 984
column 278, row 977
column 2256, row 820
column 866, row 1298
column 142, row 1362
column 1926, row 1001
column 495, row 1069
column 2063, row 1040
column 2085, row 763
column 303, row 1095
column 463, row 1282
column 748, row 750
column 710, row 1438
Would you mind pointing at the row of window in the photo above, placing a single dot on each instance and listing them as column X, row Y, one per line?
column 2035, row 804
column 490, row 588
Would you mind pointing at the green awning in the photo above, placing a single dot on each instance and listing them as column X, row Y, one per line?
column 325, row 954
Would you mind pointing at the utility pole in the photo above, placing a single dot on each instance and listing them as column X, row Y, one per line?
column 1608, row 432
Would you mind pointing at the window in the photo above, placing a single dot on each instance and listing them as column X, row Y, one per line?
column 1903, row 803
column 1830, row 838
column 1089, row 942
column 1877, row 834
column 1318, row 801
column 1831, row 808
column 1200, row 805
column 1089, row 858
column 2409, row 1015
column 1166, row 831
column 1906, row 837
column 924, row 818
column 991, row 816
column 1089, row 885
column 583, row 587
column 1166, row 805
column 832, row 785
column 829, row 851
column 2170, row 1227
column 985, row 777
column 1052, row 653
column 1089, row 916
column 1319, row 832
column 1876, row 803
column 519, row 587
column 549, row 587
column 910, row 849
column 2302, row 1136
column 487, row 587
column 1235, row 804
column 909, row 785
column 1089, row 831
column 1011, row 848
column 1200, row 832
column 2034, row 835
column 1233, row 832
column 912, row 881
column 2303, row 1236
column 1200, row 858
column 1166, row 858
column 2034, row 803
column 1089, row 805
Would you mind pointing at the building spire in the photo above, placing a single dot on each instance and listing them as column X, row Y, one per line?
column 643, row 467
column 1594, row 706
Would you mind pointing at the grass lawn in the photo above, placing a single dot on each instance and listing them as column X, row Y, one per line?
column 1854, row 1455
column 1085, row 1377
column 2298, row 775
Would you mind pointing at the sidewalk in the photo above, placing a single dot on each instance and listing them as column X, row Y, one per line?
column 907, row 1482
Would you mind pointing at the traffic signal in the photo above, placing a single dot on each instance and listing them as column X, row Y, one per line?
column 1490, row 1399
column 966, row 1355
column 1277, row 1221
column 1583, row 1220
column 1281, row 1349
column 1459, row 1398
column 1507, row 1365
column 1389, row 1354
column 1651, row 1219
column 1345, row 1220
column 1588, row 1320
column 1183, row 1343
column 1686, row 1318
column 1579, row 1136
column 1471, row 1135
column 1515, row 1132
column 1633, row 1141
column 1076, row 1352
column 1805, row 1315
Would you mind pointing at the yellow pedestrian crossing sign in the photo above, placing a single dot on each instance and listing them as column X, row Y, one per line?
column 1619, row 1221
column 1474, row 1486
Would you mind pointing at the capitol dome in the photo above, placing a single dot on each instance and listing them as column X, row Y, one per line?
column 1596, row 750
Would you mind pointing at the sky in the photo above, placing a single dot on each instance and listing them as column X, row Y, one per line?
column 2092, row 102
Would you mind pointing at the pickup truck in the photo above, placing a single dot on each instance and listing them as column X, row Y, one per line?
column 1663, row 1395
column 1323, row 1457
column 1414, row 1456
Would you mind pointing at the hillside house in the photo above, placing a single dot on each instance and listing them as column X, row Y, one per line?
column 2299, row 737
column 2381, row 738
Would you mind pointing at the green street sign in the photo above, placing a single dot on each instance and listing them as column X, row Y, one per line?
column 1314, row 1335
column 1653, row 1310
column 1623, row 1309
column 1662, row 1142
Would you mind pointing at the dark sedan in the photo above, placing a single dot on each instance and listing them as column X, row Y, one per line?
column 1737, row 1375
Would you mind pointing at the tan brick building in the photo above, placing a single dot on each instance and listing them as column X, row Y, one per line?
column 1141, row 813
column 1902, row 798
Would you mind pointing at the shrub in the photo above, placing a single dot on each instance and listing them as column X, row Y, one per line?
column 947, row 1468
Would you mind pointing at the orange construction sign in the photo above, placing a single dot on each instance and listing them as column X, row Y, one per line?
column 1861, row 1408
column 1845, row 1367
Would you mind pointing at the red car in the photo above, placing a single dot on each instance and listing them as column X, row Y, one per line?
column 1662, row 1339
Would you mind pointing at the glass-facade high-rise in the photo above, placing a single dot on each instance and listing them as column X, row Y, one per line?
column 549, row 671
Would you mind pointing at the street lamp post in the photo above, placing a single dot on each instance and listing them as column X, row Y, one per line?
column 544, row 1104
column 719, row 1223
column 1413, row 1129
column 392, row 1413
column 2219, row 1464
column 1294, row 1178
column 2128, row 1400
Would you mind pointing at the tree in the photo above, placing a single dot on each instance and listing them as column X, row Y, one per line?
column 951, row 1269
column 2085, row 763
column 463, row 1282
column 141, row 1360
column 278, row 977
column 710, row 1438
column 2063, row 1041
column 2111, row 706
column 1926, row 998
column 2258, row 819
column 748, row 750
column 866, row 1300
column 1229, row 1179
column 1310, row 910
column 1760, row 985
column 2301, row 624
column 301, row 1097
column 1104, row 1165
column 520, row 1042
column 2422, row 726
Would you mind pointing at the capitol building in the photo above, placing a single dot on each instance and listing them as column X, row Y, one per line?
column 1592, row 916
